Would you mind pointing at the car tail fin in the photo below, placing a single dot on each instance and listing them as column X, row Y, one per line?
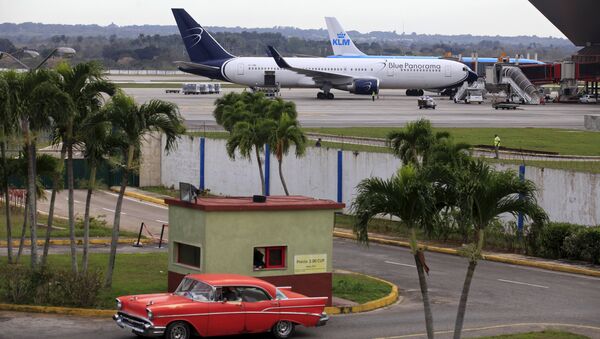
column 200, row 45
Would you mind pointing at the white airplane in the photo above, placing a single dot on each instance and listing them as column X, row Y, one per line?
column 356, row 75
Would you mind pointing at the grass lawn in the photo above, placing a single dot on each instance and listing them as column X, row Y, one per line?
column 359, row 288
column 147, row 273
column 98, row 227
column 540, row 139
column 134, row 273
column 171, row 192
column 539, row 335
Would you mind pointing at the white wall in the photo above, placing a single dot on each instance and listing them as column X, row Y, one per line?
column 566, row 196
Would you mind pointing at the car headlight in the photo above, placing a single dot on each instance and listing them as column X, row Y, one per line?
column 119, row 304
column 150, row 315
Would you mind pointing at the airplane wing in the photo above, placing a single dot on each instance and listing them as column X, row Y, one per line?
column 318, row 76
column 190, row 66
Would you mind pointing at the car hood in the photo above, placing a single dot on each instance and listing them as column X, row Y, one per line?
column 137, row 304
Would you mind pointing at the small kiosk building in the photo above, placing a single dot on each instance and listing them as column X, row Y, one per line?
column 286, row 240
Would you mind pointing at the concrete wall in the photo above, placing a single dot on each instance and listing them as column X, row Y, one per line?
column 567, row 196
column 151, row 160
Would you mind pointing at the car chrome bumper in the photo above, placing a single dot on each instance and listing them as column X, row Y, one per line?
column 137, row 325
column 323, row 320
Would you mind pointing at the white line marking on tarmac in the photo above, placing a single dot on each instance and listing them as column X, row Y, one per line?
column 109, row 210
column 161, row 221
column 553, row 325
column 522, row 283
column 399, row 264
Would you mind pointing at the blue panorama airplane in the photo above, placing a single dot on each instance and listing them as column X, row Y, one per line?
column 343, row 47
column 356, row 75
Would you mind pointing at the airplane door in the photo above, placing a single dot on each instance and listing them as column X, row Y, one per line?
column 240, row 69
column 448, row 70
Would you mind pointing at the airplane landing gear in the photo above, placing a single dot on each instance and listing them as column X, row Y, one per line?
column 325, row 95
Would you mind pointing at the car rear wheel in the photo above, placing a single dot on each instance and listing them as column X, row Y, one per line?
column 283, row 329
column 178, row 330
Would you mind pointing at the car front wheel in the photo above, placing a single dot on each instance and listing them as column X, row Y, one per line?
column 283, row 329
column 178, row 330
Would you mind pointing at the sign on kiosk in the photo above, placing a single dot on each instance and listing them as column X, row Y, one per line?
column 310, row 263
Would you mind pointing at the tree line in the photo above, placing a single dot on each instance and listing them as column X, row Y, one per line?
column 82, row 111
column 146, row 51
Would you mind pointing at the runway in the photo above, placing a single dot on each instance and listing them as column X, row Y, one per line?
column 392, row 108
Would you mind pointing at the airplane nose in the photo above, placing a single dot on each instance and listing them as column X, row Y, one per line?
column 472, row 76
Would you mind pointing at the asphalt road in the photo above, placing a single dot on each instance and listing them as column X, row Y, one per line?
column 392, row 109
column 504, row 298
column 134, row 211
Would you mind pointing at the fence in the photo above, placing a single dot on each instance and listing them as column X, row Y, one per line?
column 567, row 196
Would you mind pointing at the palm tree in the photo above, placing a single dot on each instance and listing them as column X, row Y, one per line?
column 35, row 98
column 483, row 195
column 407, row 195
column 8, row 125
column 85, row 85
column 130, row 123
column 287, row 131
column 249, row 118
column 97, row 144
column 249, row 135
column 413, row 143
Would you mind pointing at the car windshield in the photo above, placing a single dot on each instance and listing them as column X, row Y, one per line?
column 195, row 290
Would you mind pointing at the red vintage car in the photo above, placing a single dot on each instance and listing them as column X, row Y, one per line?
column 219, row 304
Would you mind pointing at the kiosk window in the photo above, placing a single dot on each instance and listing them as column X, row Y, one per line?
column 269, row 257
column 188, row 255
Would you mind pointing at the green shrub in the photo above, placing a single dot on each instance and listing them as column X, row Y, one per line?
column 17, row 285
column 584, row 244
column 22, row 285
column 552, row 237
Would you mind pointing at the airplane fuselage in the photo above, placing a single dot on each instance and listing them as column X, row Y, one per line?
column 392, row 74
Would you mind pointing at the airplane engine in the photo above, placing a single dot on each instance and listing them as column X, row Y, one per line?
column 365, row 86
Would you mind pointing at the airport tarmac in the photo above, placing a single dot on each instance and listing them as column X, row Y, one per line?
column 393, row 108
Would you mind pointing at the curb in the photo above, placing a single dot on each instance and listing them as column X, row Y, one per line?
column 370, row 305
column 141, row 197
column 81, row 312
column 90, row 312
column 66, row 242
column 489, row 257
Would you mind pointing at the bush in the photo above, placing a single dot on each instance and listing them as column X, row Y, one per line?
column 22, row 285
column 551, row 239
column 584, row 244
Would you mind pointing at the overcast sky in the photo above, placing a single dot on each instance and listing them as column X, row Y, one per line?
column 477, row 17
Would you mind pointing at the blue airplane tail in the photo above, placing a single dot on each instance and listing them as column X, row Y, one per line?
column 200, row 45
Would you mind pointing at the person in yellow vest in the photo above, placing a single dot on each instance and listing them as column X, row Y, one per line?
column 496, row 144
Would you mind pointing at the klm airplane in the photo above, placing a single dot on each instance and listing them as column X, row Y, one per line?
column 356, row 75
column 343, row 47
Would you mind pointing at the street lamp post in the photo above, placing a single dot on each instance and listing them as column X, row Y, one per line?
column 60, row 51
column 66, row 52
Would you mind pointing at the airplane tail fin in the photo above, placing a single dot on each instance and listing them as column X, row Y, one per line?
column 340, row 40
column 200, row 45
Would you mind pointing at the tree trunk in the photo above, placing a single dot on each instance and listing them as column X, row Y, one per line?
column 31, row 187
column 462, row 305
column 282, row 179
column 423, row 284
column 425, row 296
column 55, row 186
column 260, row 170
column 71, row 202
column 7, row 201
column 22, row 240
column 117, row 220
column 86, row 219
